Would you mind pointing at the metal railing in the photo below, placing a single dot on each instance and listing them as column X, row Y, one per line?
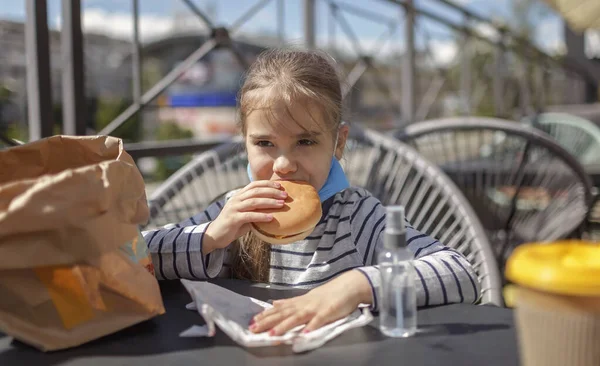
column 510, row 57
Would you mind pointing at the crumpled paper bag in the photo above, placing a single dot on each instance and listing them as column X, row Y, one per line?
column 232, row 313
column 73, row 265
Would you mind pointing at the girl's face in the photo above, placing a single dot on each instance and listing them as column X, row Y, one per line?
column 291, row 143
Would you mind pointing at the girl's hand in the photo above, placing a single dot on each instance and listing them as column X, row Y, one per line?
column 239, row 211
column 320, row 306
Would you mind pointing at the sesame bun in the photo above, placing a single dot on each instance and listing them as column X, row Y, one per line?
column 297, row 218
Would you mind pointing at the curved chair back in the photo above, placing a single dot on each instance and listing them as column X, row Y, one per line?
column 391, row 170
column 523, row 185
column 577, row 135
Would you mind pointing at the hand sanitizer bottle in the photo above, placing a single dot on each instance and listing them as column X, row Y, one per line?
column 398, row 300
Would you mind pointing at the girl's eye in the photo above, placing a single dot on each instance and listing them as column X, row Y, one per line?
column 263, row 143
column 306, row 142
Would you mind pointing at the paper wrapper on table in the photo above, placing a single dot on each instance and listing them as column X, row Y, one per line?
column 73, row 265
column 232, row 313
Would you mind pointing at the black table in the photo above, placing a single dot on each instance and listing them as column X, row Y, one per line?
column 449, row 335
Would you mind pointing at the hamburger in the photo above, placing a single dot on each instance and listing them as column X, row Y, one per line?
column 296, row 219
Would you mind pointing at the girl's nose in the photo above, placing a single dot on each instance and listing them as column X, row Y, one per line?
column 284, row 165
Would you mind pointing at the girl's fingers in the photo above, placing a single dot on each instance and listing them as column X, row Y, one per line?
column 277, row 307
column 316, row 322
column 271, row 319
column 254, row 204
column 277, row 303
column 260, row 183
column 292, row 321
column 265, row 192
column 248, row 217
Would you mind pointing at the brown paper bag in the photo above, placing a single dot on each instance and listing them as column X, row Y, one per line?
column 72, row 262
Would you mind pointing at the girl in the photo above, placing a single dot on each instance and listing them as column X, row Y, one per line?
column 290, row 114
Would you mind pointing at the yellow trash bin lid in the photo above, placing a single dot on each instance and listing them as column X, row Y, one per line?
column 570, row 267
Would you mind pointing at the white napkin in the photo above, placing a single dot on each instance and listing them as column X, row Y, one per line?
column 233, row 312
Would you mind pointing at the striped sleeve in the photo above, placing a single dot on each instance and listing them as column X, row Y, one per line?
column 176, row 249
column 442, row 275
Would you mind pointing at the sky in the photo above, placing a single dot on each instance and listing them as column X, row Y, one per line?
column 159, row 18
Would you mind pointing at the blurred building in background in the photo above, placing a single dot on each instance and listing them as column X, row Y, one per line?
column 201, row 103
column 104, row 72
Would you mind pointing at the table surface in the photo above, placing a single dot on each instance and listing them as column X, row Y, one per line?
column 458, row 334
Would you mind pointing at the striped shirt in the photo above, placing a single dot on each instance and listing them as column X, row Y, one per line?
column 348, row 237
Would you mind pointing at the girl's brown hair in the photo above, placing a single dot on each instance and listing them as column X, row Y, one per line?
column 288, row 76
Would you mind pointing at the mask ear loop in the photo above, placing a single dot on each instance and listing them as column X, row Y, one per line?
column 337, row 136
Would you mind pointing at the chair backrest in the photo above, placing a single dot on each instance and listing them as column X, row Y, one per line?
column 523, row 185
column 193, row 187
column 391, row 170
column 578, row 136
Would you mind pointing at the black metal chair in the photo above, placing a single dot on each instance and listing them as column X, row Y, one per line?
column 581, row 138
column 577, row 135
column 524, row 186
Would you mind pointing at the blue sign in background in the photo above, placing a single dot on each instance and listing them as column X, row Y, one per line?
column 203, row 99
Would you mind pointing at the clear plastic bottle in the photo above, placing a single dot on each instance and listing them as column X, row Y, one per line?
column 398, row 300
